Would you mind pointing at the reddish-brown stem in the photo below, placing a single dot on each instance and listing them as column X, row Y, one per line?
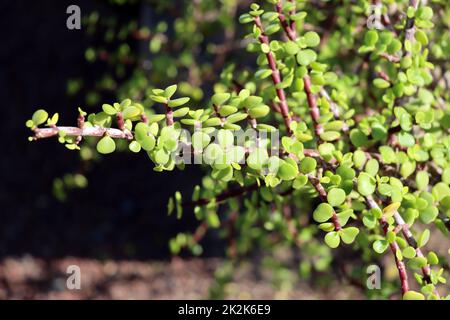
column 217, row 113
column 313, row 108
column 400, row 264
column 394, row 248
column 169, row 115
column 390, row 57
column 410, row 30
column 426, row 270
column 383, row 75
column 144, row 118
column 223, row 196
column 120, row 121
column 276, row 77
column 232, row 243
column 293, row 24
column 323, row 197
column 200, row 232
column 80, row 124
column 290, row 32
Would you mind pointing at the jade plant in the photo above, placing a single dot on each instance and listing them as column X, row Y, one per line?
column 336, row 138
column 127, row 73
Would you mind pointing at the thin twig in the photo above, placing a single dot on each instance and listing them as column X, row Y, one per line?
column 276, row 77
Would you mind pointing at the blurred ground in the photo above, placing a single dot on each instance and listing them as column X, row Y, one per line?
column 34, row 278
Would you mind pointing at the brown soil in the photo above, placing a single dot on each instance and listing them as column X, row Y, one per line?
column 32, row 278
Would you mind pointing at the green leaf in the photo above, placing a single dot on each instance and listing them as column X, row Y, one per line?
column 200, row 140
column 161, row 156
column 336, row 197
column 391, row 209
column 432, row 258
column 245, row 18
column 300, row 181
column 332, row 239
column 159, row 99
column 220, row 98
column 381, row 83
column 409, row 252
column 236, row 117
column 257, row 158
column 147, row 142
column 109, row 109
column 259, row 111
column 291, row 48
column 323, row 212
column 305, row 57
column 170, row 90
column 263, row 73
column 298, row 16
column 358, row 138
column 134, row 146
column 287, row 171
column 131, row 112
column 308, row 165
column 417, row 262
column 413, row 295
column 330, row 135
column 156, row 118
column 106, row 145
column 180, row 112
column 423, row 238
column 211, row 122
column 370, row 38
column 440, row 190
column 422, row 180
column 428, row 215
column 349, row 234
column 226, row 110
column 421, row 37
column 380, row 246
column 178, row 102
column 312, row 39
column 225, row 138
column 425, row 13
column 39, row 117
column 366, row 184
column 405, row 139
column 372, row 167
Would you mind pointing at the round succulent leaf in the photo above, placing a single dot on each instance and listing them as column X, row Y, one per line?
column 336, row 197
column 323, row 212
column 106, row 145
column 413, row 295
column 305, row 57
column 109, row 109
column 134, row 146
column 220, row 98
column 366, row 184
column 332, row 239
column 409, row 252
column 380, row 246
column 178, row 102
column 308, row 165
column 349, row 234
column 311, row 39
column 287, row 171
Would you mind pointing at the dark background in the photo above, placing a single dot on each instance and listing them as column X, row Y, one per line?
column 122, row 213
